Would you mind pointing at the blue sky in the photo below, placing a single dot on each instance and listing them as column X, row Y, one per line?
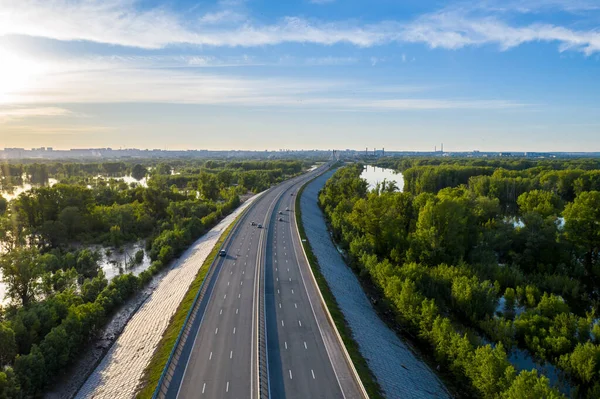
column 490, row 75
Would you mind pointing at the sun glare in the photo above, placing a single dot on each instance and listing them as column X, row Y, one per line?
column 16, row 76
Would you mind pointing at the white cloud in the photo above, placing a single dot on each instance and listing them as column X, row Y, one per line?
column 118, row 81
column 225, row 16
column 537, row 6
column 9, row 113
column 454, row 30
column 120, row 22
column 330, row 61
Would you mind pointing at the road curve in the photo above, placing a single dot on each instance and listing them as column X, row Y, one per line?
column 220, row 357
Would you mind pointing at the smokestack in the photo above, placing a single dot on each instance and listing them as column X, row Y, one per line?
column 442, row 148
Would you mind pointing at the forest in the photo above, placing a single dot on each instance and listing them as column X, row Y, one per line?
column 58, row 297
column 479, row 259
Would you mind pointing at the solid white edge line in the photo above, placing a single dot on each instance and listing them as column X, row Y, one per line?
column 310, row 301
column 327, row 313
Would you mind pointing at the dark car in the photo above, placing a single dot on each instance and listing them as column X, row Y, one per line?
column 260, row 226
column 222, row 252
column 252, row 223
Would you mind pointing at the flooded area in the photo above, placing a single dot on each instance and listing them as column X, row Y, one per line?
column 113, row 262
column 118, row 261
column 16, row 190
column 399, row 371
column 521, row 360
column 127, row 179
column 374, row 175
column 518, row 223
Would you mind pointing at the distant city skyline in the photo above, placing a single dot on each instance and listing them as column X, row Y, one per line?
column 50, row 153
column 488, row 75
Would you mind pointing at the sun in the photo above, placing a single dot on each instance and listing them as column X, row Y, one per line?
column 17, row 76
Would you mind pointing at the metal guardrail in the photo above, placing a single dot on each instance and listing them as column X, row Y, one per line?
column 263, row 358
column 162, row 388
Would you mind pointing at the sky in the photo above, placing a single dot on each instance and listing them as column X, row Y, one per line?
column 488, row 75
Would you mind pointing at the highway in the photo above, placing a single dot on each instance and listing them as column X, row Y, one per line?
column 221, row 356
column 304, row 357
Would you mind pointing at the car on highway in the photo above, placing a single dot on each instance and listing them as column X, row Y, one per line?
column 222, row 252
column 281, row 213
column 260, row 226
column 281, row 219
column 287, row 209
column 252, row 223
column 291, row 193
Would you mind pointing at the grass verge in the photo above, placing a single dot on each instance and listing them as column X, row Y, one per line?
column 161, row 355
column 367, row 377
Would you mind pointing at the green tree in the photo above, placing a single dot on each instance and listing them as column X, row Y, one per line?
column 443, row 231
column 21, row 270
column 31, row 371
column 208, row 186
column 92, row 288
column 582, row 227
column 59, row 281
column 8, row 345
column 527, row 385
column 3, row 205
column 72, row 219
column 225, row 177
column 9, row 386
column 138, row 172
column 490, row 370
column 583, row 362
column 544, row 203
column 163, row 169
column 87, row 263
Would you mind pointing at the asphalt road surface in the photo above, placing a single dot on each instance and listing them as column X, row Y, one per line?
column 305, row 360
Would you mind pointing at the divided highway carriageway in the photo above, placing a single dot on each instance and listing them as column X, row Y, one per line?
column 259, row 328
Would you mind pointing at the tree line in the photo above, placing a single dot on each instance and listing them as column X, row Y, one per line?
column 443, row 258
column 59, row 296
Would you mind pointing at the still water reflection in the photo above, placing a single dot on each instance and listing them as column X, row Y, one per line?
column 374, row 175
